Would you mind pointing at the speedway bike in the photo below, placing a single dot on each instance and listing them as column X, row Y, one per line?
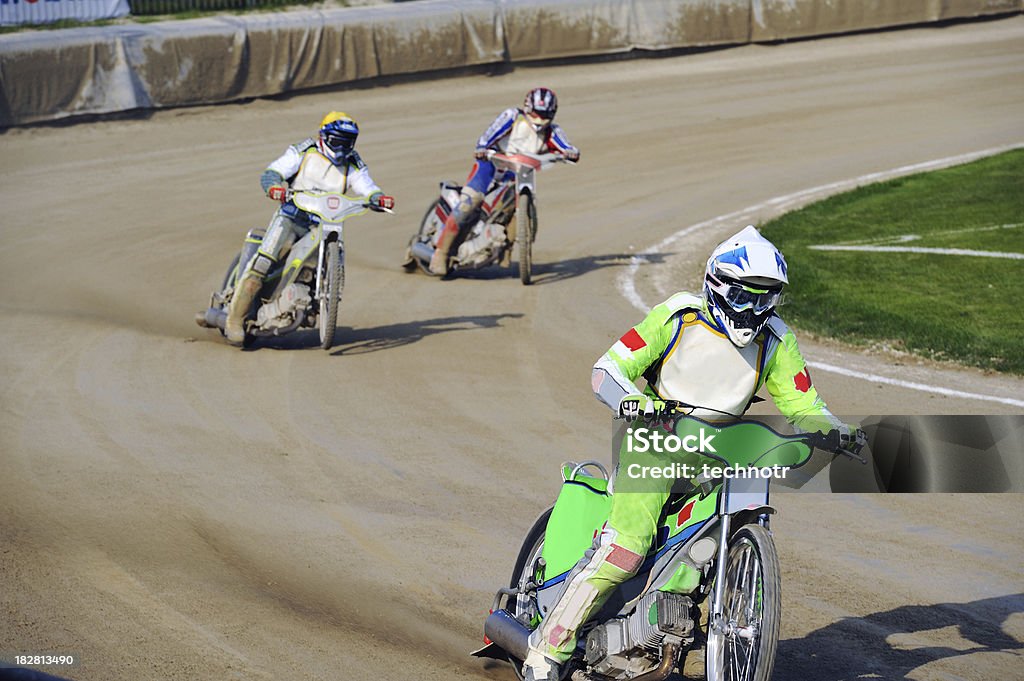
column 714, row 549
column 506, row 218
column 304, row 290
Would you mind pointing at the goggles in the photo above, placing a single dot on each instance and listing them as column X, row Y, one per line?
column 741, row 297
column 339, row 141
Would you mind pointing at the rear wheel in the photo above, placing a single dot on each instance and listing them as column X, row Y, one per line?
column 427, row 226
column 525, row 607
column 526, row 228
column 745, row 648
column 231, row 276
column 330, row 299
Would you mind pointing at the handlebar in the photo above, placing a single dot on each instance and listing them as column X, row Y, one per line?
column 535, row 161
column 832, row 441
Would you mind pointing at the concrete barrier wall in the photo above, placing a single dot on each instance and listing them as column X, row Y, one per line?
column 50, row 75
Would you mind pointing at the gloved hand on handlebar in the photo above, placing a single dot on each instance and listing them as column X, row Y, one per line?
column 572, row 155
column 853, row 440
column 278, row 192
column 480, row 154
column 380, row 201
column 635, row 406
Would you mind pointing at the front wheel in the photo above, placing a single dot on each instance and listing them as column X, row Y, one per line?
column 526, row 229
column 744, row 647
column 330, row 297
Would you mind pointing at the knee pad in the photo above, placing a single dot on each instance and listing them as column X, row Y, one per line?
column 262, row 263
column 469, row 201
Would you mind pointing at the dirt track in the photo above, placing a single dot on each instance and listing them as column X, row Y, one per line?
column 171, row 508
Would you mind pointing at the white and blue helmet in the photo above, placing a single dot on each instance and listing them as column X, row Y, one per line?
column 743, row 283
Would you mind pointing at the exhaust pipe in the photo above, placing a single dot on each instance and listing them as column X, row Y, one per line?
column 508, row 633
column 215, row 318
column 422, row 251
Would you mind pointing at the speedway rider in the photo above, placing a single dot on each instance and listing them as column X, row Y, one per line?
column 715, row 350
column 529, row 130
column 327, row 162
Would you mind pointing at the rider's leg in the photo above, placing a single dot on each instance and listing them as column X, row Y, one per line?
column 280, row 231
column 616, row 556
column 470, row 198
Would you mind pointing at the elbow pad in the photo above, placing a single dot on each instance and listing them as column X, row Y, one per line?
column 269, row 178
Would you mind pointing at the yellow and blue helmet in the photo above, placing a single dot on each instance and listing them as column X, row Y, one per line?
column 338, row 133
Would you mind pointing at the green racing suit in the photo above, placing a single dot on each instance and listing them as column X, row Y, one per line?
column 684, row 355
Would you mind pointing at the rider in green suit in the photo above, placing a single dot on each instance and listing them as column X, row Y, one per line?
column 714, row 351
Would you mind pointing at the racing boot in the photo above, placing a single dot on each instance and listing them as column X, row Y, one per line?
column 439, row 261
column 245, row 291
column 538, row 667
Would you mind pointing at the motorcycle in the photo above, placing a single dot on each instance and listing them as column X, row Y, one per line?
column 497, row 225
column 713, row 548
column 304, row 290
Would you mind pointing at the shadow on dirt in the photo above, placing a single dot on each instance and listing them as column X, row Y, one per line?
column 355, row 341
column 362, row 341
column 554, row 272
column 887, row 646
column 349, row 340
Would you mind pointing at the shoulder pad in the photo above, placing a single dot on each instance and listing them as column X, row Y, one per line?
column 684, row 301
column 356, row 161
column 777, row 326
column 304, row 145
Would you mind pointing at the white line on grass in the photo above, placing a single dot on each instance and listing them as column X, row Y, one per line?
column 627, row 280
column 920, row 249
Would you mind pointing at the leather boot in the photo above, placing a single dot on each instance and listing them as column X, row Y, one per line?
column 439, row 261
column 245, row 291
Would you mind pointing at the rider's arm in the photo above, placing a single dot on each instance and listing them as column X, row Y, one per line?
column 629, row 358
column 789, row 383
column 283, row 169
column 359, row 181
column 501, row 127
column 557, row 141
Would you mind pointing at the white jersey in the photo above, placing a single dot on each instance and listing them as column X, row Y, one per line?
column 305, row 168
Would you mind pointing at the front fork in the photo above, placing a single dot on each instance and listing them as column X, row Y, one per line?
column 716, row 620
column 322, row 238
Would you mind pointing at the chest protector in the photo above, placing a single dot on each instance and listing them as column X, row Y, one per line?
column 702, row 367
column 318, row 174
column 523, row 139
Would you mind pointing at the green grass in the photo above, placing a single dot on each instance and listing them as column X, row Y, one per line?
column 964, row 308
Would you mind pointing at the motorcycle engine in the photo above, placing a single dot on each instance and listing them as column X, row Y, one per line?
column 280, row 312
column 625, row 647
column 481, row 244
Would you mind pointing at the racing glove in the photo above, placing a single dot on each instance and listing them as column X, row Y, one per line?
column 572, row 155
column 380, row 202
column 480, row 154
column 635, row 406
column 852, row 439
column 278, row 192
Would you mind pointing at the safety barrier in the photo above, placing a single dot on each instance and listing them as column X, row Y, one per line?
column 50, row 75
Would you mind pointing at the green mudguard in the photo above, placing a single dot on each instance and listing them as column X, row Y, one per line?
column 580, row 511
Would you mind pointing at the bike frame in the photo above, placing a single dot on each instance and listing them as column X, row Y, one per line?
column 330, row 211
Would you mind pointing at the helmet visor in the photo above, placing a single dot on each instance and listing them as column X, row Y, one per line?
column 741, row 297
column 339, row 141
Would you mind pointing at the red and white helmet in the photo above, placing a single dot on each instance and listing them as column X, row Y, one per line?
column 540, row 107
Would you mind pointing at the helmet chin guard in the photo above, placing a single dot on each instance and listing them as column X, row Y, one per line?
column 743, row 284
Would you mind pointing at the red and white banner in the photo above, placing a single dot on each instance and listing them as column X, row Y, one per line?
column 48, row 11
